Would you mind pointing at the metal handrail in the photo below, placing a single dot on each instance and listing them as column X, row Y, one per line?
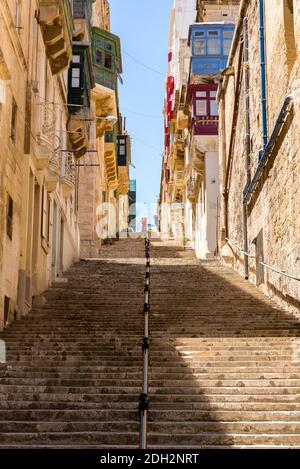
column 239, row 248
column 281, row 272
column 144, row 400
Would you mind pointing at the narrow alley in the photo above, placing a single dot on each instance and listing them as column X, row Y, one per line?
column 224, row 360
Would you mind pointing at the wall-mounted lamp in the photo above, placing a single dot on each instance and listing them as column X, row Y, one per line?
column 110, row 119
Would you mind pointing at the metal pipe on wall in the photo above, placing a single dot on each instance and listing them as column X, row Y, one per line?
column 263, row 86
column 247, row 141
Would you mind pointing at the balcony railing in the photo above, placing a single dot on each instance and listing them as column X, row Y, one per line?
column 69, row 167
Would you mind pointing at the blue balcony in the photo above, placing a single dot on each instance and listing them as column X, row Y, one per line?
column 210, row 46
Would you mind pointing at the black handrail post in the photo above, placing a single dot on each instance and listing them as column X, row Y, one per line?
column 144, row 401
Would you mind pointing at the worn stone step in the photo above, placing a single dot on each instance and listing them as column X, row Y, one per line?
column 154, row 376
column 187, row 383
column 100, row 438
column 209, row 404
column 223, row 439
column 157, row 415
column 248, row 428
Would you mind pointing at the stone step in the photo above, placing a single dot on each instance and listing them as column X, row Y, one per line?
column 18, row 369
column 154, row 375
column 177, row 428
column 97, row 439
column 159, row 399
column 156, row 415
column 185, row 384
column 208, row 405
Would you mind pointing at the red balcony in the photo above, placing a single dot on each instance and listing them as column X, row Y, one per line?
column 205, row 118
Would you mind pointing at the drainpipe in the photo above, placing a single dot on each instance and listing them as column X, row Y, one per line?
column 263, row 74
column 247, row 142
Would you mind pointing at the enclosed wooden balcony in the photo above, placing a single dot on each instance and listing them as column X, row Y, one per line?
column 110, row 161
column 56, row 21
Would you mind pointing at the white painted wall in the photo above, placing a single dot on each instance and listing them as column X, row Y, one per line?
column 207, row 209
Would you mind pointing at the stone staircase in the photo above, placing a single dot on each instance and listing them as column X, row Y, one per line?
column 225, row 361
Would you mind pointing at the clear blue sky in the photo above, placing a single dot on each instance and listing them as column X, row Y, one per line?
column 143, row 27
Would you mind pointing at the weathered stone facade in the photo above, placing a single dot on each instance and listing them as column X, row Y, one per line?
column 273, row 215
column 45, row 144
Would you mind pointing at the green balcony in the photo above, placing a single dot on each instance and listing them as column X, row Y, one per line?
column 107, row 61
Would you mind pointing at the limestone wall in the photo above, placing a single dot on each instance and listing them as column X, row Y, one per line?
column 274, row 207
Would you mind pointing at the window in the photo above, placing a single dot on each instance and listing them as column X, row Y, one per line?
column 9, row 216
column 76, row 59
column 205, row 103
column 214, row 108
column 99, row 57
column 13, row 124
column 213, row 47
column 75, row 77
column 122, row 146
column 213, row 33
column 78, row 8
column 199, row 47
column 108, row 61
column 226, row 46
column 227, row 34
column 76, row 72
column 122, row 151
column 201, row 107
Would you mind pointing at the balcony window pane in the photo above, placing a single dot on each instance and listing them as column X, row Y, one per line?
column 199, row 33
column 199, row 47
column 76, row 59
column 214, row 47
column 228, row 34
column 108, row 61
column 213, row 33
column 200, row 94
column 213, row 94
column 75, row 83
column 122, row 150
column 226, row 46
column 98, row 57
column 201, row 107
column 75, row 72
column 214, row 108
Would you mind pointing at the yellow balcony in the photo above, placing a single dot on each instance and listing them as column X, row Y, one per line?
column 123, row 180
column 111, row 166
column 182, row 120
column 78, row 135
column 105, row 105
column 55, row 19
